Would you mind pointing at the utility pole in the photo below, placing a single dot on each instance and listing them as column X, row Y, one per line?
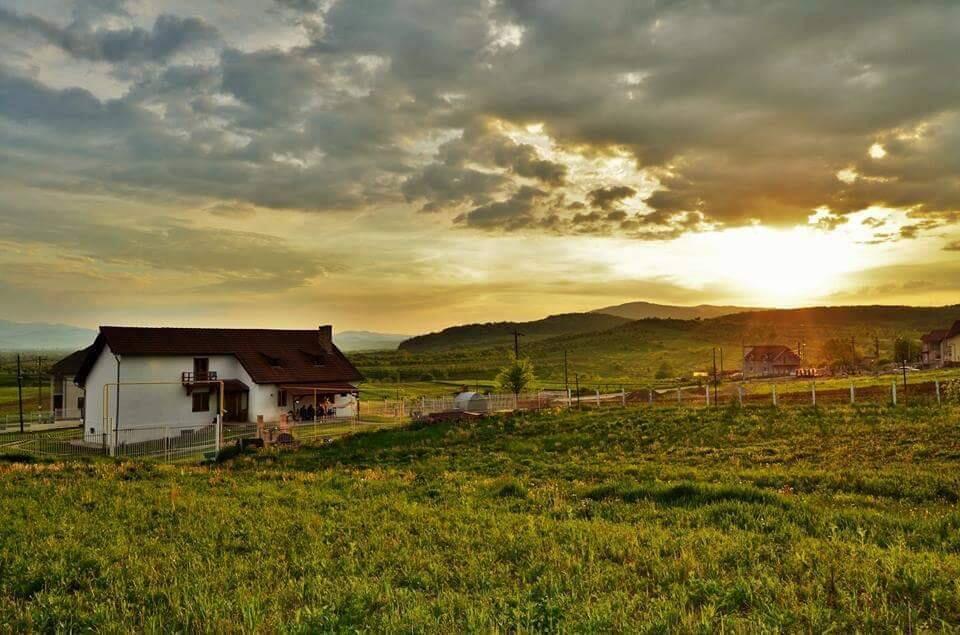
column 20, row 390
column 876, row 352
column 39, row 386
column 576, row 378
column 516, row 343
column 566, row 379
column 904, row 380
column 714, row 375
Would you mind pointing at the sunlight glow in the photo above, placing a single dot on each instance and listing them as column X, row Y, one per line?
column 759, row 265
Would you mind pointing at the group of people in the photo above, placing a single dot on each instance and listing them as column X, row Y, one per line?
column 308, row 413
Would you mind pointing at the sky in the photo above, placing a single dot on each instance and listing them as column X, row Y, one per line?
column 404, row 165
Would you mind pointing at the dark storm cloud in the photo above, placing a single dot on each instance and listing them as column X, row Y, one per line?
column 517, row 212
column 607, row 197
column 169, row 35
column 743, row 112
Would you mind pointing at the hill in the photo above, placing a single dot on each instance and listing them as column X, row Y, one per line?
column 367, row 340
column 492, row 334
column 631, row 352
column 638, row 520
column 40, row 336
column 645, row 310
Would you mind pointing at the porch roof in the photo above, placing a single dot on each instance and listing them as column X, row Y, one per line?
column 320, row 389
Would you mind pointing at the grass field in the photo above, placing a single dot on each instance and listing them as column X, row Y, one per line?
column 631, row 520
column 8, row 399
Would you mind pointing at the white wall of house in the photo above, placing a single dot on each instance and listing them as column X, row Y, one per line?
column 950, row 349
column 150, row 407
column 154, row 411
column 71, row 396
column 264, row 399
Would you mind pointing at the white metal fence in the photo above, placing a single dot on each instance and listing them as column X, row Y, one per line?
column 171, row 443
column 11, row 420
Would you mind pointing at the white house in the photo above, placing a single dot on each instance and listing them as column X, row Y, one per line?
column 66, row 397
column 151, row 383
column 950, row 345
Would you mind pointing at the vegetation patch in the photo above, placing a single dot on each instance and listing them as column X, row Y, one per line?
column 628, row 520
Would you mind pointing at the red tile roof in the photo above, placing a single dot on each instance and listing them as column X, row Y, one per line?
column 954, row 330
column 934, row 336
column 269, row 356
column 776, row 353
column 70, row 364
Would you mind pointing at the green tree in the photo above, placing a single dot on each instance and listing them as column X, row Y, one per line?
column 906, row 349
column 664, row 372
column 838, row 353
column 516, row 376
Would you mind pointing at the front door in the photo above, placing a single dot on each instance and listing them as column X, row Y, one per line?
column 235, row 406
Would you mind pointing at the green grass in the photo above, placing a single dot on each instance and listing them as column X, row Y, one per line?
column 636, row 520
column 9, row 402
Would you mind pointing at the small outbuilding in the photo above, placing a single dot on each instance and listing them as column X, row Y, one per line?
column 471, row 402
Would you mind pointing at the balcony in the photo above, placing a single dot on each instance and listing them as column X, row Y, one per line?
column 192, row 379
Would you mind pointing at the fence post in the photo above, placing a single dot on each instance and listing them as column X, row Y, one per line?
column 853, row 397
column 813, row 393
column 936, row 384
column 623, row 397
column 740, row 395
column 598, row 397
column 893, row 391
column 218, row 435
column 678, row 395
column 774, row 395
column 707, row 393
column 650, row 397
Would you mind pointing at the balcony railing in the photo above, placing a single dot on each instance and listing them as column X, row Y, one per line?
column 187, row 377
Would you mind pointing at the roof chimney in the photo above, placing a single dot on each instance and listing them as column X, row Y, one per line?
column 325, row 337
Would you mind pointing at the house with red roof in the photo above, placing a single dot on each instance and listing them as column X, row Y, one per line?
column 950, row 345
column 148, row 383
column 770, row 360
column 931, row 351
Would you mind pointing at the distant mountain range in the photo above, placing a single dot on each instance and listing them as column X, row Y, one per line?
column 501, row 333
column 625, row 331
column 367, row 340
column 27, row 336
column 645, row 310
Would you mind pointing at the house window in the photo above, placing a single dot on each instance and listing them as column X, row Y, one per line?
column 80, row 403
column 201, row 402
column 201, row 366
column 57, row 402
column 282, row 398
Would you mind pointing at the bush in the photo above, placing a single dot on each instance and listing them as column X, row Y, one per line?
column 950, row 391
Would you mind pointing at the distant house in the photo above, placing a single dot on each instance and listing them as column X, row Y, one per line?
column 931, row 352
column 950, row 345
column 770, row 360
column 66, row 398
column 148, row 383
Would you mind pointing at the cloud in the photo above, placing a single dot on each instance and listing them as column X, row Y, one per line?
column 735, row 115
column 516, row 212
column 607, row 197
column 170, row 34
column 259, row 262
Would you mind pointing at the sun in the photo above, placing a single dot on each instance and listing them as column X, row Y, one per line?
column 786, row 267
